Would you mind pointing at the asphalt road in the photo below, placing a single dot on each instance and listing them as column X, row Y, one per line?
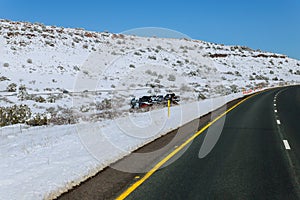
column 249, row 161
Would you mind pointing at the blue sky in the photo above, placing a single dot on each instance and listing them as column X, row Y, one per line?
column 271, row 25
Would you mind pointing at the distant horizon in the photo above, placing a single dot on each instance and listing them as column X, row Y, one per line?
column 272, row 26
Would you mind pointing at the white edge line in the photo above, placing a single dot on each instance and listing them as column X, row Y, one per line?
column 286, row 144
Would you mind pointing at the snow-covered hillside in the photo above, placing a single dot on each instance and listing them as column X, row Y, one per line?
column 46, row 60
column 81, row 80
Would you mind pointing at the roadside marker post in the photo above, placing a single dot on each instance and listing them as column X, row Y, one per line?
column 169, row 104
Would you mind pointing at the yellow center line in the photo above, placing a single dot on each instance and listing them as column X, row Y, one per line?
column 127, row 192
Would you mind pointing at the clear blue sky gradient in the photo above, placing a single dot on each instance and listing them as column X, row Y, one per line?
column 271, row 25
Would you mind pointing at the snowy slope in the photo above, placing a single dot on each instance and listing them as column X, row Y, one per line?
column 50, row 59
column 91, row 77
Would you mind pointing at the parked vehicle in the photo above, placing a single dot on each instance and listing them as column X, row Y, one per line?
column 147, row 101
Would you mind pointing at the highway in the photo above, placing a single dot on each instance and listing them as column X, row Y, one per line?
column 249, row 161
column 257, row 156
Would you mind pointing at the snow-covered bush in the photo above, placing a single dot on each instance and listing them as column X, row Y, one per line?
column 37, row 120
column 51, row 98
column 12, row 87
column 185, row 88
column 171, row 77
column 4, row 78
column 14, row 115
column 152, row 57
column 64, row 116
column 106, row 104
column 40, row 99
column 22, row 95
column 234, row 88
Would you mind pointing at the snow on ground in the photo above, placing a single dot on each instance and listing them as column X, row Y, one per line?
column 92, row 77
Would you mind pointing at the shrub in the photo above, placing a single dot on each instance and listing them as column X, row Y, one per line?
column 237, row 73
column 84, row 108
column 4, row 78
column 171, row 77
column 49, row 43
column 14, row 115
column 234, row 88
column 137, row 53
column 40, row 99
column 201, row 96
column 23, row 95
column 261, row 77
column 29, row 61
column 12, row 87
column 148, row 71
column 152, row 57
column 76, row 68
column 37, row 120
column 185, row 88
column 104, row 105
column 51, row 99
column 154, row 73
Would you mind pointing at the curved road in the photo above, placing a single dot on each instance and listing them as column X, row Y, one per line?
column 256, row 157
